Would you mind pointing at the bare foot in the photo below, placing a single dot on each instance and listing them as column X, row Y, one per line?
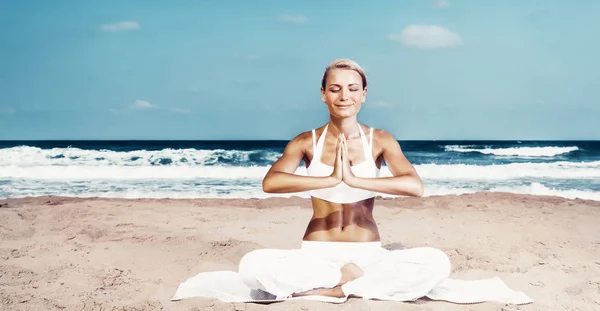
column 350, row 272
column 329, row 292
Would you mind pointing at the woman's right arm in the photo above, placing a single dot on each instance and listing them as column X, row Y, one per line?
column 281, row 178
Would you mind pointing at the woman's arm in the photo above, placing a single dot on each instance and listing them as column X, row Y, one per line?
column 281, row 178
column 404, row 181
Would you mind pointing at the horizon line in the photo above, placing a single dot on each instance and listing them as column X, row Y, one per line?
column 286, row 140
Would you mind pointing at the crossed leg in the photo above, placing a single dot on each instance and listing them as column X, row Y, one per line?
column 293, row 273
column 349, row 272
column 401, row 275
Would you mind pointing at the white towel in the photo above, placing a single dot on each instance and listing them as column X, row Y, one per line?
column 269, row 275
column 477, row 291
column 227, row 286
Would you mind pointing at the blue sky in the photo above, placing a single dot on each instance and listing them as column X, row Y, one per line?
column 252, row 69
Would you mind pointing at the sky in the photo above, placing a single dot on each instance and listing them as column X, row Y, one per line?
column 203, row 69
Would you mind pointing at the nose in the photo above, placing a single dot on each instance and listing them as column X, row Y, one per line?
column 344, row 94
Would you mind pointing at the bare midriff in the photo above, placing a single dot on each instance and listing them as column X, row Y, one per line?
column 334, row 222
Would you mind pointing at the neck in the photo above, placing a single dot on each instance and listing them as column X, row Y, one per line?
column 347, row 126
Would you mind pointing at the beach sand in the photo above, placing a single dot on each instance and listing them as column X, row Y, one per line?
column 61, row 253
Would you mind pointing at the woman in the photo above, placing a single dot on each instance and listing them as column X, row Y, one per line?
column 341, row 252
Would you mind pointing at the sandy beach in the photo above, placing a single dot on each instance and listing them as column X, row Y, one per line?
column 61, row 253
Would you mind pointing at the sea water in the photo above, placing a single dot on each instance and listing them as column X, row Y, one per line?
column 234, row 169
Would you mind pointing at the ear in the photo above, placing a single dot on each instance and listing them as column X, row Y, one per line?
column 364, row 94
column 322, row 94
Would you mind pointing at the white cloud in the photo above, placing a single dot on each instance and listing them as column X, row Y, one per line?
column 120, row 26
column 427, row 37
column 7, row 110
column 294, row 19
column 142, row 104
column 441, row 3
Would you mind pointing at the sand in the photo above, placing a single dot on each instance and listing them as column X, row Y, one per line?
column 61, row 253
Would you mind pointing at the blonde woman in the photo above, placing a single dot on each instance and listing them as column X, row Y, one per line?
column 341, row 252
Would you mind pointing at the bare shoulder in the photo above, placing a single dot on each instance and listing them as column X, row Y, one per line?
column 385, row 141
column 392, row 153
column 382, row 135
column 300, row 142
column 293, row 154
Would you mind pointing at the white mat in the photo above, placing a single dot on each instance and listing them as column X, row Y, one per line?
column 227, row 286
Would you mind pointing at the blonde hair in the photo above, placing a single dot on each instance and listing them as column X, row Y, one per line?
column 344, row 63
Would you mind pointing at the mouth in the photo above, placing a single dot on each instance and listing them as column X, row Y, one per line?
column 344, row 106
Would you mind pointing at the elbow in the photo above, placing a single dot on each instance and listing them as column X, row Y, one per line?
column 267, row 186
column 272, row 184
column 420, row 190
column 416, row 189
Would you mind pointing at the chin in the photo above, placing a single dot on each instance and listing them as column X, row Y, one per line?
column 351, row 111
column 345, row 114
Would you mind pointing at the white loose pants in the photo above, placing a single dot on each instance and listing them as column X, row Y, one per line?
column 400, row 275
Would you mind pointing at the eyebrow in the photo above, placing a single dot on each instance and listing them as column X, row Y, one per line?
column 333, row 84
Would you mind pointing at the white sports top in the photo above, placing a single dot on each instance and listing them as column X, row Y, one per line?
column 342, row 193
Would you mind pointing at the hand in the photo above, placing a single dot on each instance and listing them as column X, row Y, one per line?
column 347, row 176
column 337, row 164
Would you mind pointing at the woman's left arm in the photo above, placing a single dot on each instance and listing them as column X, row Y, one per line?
column 404, row 181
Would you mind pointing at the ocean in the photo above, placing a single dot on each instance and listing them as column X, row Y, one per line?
column 234, row 169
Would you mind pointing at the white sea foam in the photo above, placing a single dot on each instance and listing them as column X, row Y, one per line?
column 573, row 170
column 131, row 172
column 192, row 173
column 145, row 190
column 563, row 169
column 35, row 157
column 547, row 151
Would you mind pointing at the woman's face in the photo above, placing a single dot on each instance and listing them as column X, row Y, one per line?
column 343, row 93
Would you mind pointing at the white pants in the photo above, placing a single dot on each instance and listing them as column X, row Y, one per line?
column 401, row 275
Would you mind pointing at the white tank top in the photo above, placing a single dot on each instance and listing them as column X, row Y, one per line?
column 342, row 193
